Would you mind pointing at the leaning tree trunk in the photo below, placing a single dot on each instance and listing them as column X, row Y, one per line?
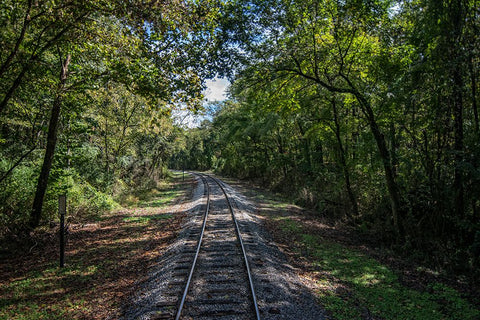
column 389, row 171
column 36, row 213
column 367, row 110
column 343, row 161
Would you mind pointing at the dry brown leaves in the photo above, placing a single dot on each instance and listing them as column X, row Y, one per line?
column 105, row 261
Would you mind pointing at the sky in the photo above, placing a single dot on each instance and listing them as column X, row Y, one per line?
column 215, row 91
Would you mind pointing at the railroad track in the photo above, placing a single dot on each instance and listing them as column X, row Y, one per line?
column 220, row 286
column 213, row 272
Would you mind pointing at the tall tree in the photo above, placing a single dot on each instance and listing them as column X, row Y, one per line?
column 51, row 145
column 155, row 50
column 336, row 46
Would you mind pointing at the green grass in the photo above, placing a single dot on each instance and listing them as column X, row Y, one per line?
column 147, row 219
column 159, row 196
column 32, row 311
column 48, row 283
column 289, row 225
column 372, row 286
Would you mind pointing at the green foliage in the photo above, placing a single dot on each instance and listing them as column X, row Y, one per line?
column 85, row 201
column 366, row 111
column 129, row 65
column 16, row 193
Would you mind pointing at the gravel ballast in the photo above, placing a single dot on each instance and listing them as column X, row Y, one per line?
column 280, row 291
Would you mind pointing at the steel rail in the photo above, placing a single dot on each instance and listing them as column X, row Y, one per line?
column 190, row 275
column 237, row 229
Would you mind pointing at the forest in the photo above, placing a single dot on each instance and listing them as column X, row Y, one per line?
column 364, row 110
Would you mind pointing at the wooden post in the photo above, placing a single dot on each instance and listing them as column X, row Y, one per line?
column 62, row 209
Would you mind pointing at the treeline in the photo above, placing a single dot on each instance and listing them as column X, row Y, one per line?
column 86, row 92
column 364, row 110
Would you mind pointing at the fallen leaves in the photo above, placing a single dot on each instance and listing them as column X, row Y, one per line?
column 104, row 263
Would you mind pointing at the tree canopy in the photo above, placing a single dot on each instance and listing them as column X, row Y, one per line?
column 93, row 81
column 366, row 110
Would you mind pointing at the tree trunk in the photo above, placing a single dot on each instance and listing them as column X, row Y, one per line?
column 473, row 80
column 107, row 161
column 367, row 110
column 36, row 213
column 305, row 147
column 387, row 165
column 343, row 161
column 458, row 145
column 392, row 186
column 393, row 149
column 281, row 151
column 455, row 41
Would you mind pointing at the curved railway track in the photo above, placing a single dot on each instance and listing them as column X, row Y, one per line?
column 219, row 283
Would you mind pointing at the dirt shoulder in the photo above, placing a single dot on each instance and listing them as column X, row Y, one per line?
column 105, row 261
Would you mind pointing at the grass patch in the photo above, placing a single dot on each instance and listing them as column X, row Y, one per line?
column 147, row 219
column 288, row 225
column 33, row 311
column 355, row 285
column 159, row 196
column 30, row 297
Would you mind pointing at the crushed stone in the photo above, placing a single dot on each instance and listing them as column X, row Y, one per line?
column 281, row 293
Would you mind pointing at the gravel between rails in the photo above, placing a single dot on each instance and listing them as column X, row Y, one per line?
column 220, row 282
column 280, row 292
